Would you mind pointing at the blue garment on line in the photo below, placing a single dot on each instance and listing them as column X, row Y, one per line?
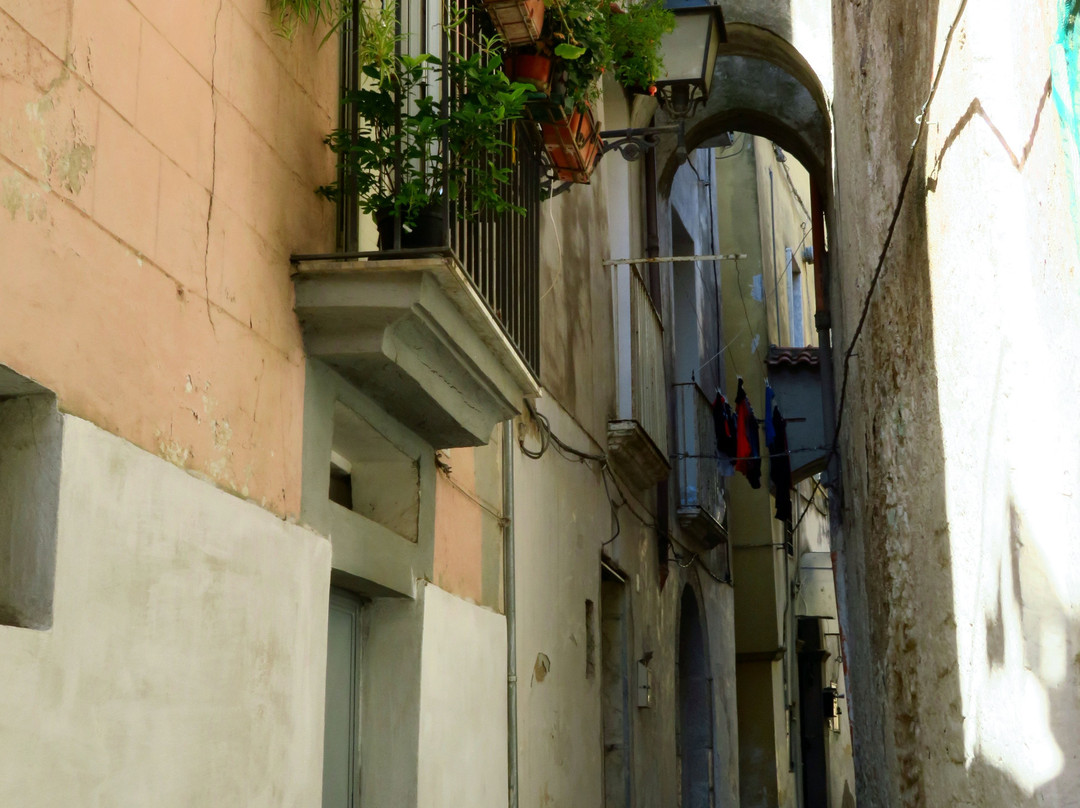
column 770, row 430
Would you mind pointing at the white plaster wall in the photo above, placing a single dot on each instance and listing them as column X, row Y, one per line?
column 186, row 659
column 463, row 752
column 564, row 526
column 1006, row 316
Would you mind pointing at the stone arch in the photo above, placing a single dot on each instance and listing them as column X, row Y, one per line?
column 761, row 85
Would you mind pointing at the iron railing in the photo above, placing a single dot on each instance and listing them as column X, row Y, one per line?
column 699, row 480
column 499, row 252
column 649, row 394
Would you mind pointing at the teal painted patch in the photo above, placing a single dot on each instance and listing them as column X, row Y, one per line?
column 1065, row 67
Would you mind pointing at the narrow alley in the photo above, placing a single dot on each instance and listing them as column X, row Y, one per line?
column 539, row 403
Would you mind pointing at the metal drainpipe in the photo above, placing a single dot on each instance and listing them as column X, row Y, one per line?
column 776, row 278
column 510, row 595
column 652, row 250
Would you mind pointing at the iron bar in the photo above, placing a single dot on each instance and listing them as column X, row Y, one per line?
column 673, row 259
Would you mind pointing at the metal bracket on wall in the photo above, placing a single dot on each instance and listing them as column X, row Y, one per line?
column 633, row 143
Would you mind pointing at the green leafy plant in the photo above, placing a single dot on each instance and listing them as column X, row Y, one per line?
column 409, row 147
column 576, row 34
column 589, row 37
column 287, row 16
column 635, row 36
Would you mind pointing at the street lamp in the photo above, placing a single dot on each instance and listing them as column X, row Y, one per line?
column 689, row 54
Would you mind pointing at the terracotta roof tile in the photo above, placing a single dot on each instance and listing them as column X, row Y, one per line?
column 793, row 357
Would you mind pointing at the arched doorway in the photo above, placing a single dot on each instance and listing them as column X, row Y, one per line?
column 695, row 708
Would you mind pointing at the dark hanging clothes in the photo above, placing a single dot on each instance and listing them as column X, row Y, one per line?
column 748, row 441
column 770, row 435
column 780, row 467
column 725, row 426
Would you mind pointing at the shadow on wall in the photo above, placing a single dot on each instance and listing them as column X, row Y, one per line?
column 1023, row 720
column 993, row 722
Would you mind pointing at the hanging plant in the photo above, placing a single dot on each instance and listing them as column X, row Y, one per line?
column 586, row 38
column 286, row 16
column 635, row 34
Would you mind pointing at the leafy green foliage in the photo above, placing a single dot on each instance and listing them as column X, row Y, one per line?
column 435, row 145
column 288, row 15
column 635, row 41
column 592, row 36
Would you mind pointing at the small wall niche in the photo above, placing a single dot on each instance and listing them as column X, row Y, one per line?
column 372, row 476
column 30, row 442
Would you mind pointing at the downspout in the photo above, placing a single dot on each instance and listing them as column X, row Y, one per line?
column 510, row 598
column 652, row 250
column 776, row 278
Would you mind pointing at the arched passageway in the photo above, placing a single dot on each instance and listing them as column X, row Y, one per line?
column 762, row 86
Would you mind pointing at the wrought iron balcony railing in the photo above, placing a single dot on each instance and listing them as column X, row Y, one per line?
column 498, row 252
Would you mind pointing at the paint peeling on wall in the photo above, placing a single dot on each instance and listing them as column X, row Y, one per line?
column 16, row 197
column 65, row 156
column 1065, row 68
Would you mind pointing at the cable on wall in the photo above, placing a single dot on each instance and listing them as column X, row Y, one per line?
column 549, row 439
column 897, row 208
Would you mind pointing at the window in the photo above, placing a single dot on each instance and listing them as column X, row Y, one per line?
column 795, row 299
column 341, row 730
column 372, row 476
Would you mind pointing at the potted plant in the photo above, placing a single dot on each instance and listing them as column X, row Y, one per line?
column 410, row 152
column 582, row 40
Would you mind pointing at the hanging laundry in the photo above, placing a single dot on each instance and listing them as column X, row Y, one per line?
column 780, row 467
column 725, row 425
column 770, row 434
column 748, row 442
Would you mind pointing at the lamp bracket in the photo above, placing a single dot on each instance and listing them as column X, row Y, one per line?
column 633, row 143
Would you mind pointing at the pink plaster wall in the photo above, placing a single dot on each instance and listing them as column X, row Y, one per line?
column 157, row 167
column 458, row 529
column 468, row 531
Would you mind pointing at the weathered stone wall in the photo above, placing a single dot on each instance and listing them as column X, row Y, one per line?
column 959, row 448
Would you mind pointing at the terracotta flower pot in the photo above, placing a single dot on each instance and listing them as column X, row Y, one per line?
column 518, row 21
column 573, row 145
column 528, row 68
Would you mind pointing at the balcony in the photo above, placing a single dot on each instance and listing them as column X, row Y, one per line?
column 638, row 437
column 416, row 335
column 444, row 338
column 702, row 506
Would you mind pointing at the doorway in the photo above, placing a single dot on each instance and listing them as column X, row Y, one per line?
column 695, row 742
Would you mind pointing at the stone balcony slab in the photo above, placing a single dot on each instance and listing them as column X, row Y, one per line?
column 636, row 455
column 415, row 335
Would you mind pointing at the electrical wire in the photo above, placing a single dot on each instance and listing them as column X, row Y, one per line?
column 897, row 209
column 444, row 469
column 549, row 439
